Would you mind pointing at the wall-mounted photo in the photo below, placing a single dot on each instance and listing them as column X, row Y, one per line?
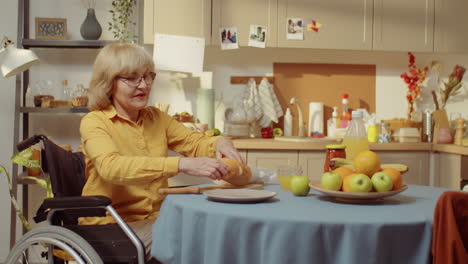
column 294, row 28
column 257, row 36
column 229, row 38
column 51, row 28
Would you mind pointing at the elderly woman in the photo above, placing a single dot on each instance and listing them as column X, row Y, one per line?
column 125, row 142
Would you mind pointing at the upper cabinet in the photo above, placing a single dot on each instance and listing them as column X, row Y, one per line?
column 241, row 14
column 450, row 26
column 177, row 17
column 345, row 24
column 402, row 25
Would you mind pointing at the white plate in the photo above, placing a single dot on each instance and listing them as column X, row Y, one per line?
column 238, row 195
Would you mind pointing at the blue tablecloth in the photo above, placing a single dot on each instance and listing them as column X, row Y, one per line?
column 290, row 229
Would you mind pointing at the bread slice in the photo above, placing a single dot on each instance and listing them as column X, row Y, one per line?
column 239, row 174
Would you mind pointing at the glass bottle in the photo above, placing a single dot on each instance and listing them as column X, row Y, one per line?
column 333, row 151
column 355, row 138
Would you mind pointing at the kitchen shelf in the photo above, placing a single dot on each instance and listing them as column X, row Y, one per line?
column 56, row 110
column 67, row 44
column 21, row 180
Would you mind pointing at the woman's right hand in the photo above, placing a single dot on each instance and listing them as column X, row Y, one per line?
column 204, row 167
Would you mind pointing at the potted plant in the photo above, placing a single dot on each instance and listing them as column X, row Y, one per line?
column 23, row 158
column 122, row 24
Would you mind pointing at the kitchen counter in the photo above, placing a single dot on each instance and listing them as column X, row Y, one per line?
column 450, row 148
column 271, row 144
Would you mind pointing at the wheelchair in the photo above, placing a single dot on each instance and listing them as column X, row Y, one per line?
column 63, row 240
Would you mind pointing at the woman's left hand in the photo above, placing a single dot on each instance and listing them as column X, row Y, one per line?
column 225, row 148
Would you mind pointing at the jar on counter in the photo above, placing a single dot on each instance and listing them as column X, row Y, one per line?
column 333, row 151
column 384, row 134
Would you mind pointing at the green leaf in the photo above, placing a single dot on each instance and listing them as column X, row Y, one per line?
column 22, row 157
column 40, row 182
column 1, row 169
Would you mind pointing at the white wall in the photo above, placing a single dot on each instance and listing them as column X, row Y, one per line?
column 8, row 27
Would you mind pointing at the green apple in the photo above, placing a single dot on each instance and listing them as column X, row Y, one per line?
column 300, row 185
column 360, row 183
column 382, row 182
column 331, row 181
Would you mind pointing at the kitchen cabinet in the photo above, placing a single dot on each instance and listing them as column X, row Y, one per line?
column 346, row 24
column 243, row 13
column 312, row 164
column 401, row 25
column 451, row 169
column 417, row 162
column 450, row 26
column 272, row 160
column 178, row 17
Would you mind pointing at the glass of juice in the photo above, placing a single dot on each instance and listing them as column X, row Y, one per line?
column 285, row 174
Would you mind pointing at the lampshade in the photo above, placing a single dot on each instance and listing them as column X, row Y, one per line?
column 14, row 60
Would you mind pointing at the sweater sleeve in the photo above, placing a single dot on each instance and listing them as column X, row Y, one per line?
column 112, row 166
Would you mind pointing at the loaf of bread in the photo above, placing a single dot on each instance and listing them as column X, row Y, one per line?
column 239, row 173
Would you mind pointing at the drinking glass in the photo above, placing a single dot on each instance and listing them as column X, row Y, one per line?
column 285, row 174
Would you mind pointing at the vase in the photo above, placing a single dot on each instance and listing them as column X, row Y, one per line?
column 444, row 136
column 90, row 29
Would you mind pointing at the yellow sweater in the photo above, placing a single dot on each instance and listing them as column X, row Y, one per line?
column 128, row 162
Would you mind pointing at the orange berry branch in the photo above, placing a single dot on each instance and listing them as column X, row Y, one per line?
column 414, row 78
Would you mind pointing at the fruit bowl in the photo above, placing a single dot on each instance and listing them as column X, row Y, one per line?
column 354, row 196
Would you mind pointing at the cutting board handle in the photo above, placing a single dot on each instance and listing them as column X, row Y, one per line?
column 184, row 190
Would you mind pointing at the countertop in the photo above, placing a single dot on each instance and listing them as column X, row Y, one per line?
column 272, row 144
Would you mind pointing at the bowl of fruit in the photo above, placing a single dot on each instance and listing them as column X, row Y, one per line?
column 362, row 179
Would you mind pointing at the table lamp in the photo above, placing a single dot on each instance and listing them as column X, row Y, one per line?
column 14, row 60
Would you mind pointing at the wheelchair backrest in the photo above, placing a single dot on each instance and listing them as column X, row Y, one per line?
column 66, row 169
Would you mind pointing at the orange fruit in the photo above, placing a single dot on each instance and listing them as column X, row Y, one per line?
column 343, row 172
column 345, row 187
column 366, row 162
column 396, row 177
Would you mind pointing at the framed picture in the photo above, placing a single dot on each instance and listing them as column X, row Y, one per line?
column 51, row 28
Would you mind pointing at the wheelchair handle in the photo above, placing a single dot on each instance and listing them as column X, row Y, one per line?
column 29, row 142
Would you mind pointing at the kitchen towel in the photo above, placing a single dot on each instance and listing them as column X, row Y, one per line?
column 270, row 104
column 253, row 101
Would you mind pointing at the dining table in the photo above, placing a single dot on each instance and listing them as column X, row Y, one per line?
column 192, row 228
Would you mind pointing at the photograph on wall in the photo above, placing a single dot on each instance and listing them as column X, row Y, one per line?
column 229, row 38
column 257, row 36
column 294, row 29
column 51, row 28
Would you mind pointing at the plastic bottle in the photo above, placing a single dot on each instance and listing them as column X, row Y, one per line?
column 345, row 117
column 372, row 132
column 287, row 123
column 335, row 117
column 333, row 123
column 355, row 138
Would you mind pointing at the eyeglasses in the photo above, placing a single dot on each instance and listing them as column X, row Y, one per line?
column 136, row 81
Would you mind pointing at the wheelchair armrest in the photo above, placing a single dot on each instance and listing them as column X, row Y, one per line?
column 76, row 202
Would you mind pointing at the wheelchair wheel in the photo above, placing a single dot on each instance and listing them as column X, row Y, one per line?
column 67, row 247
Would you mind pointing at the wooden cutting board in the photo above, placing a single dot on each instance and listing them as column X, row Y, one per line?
column 199, row 190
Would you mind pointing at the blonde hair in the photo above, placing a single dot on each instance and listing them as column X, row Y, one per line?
column 115, row 59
